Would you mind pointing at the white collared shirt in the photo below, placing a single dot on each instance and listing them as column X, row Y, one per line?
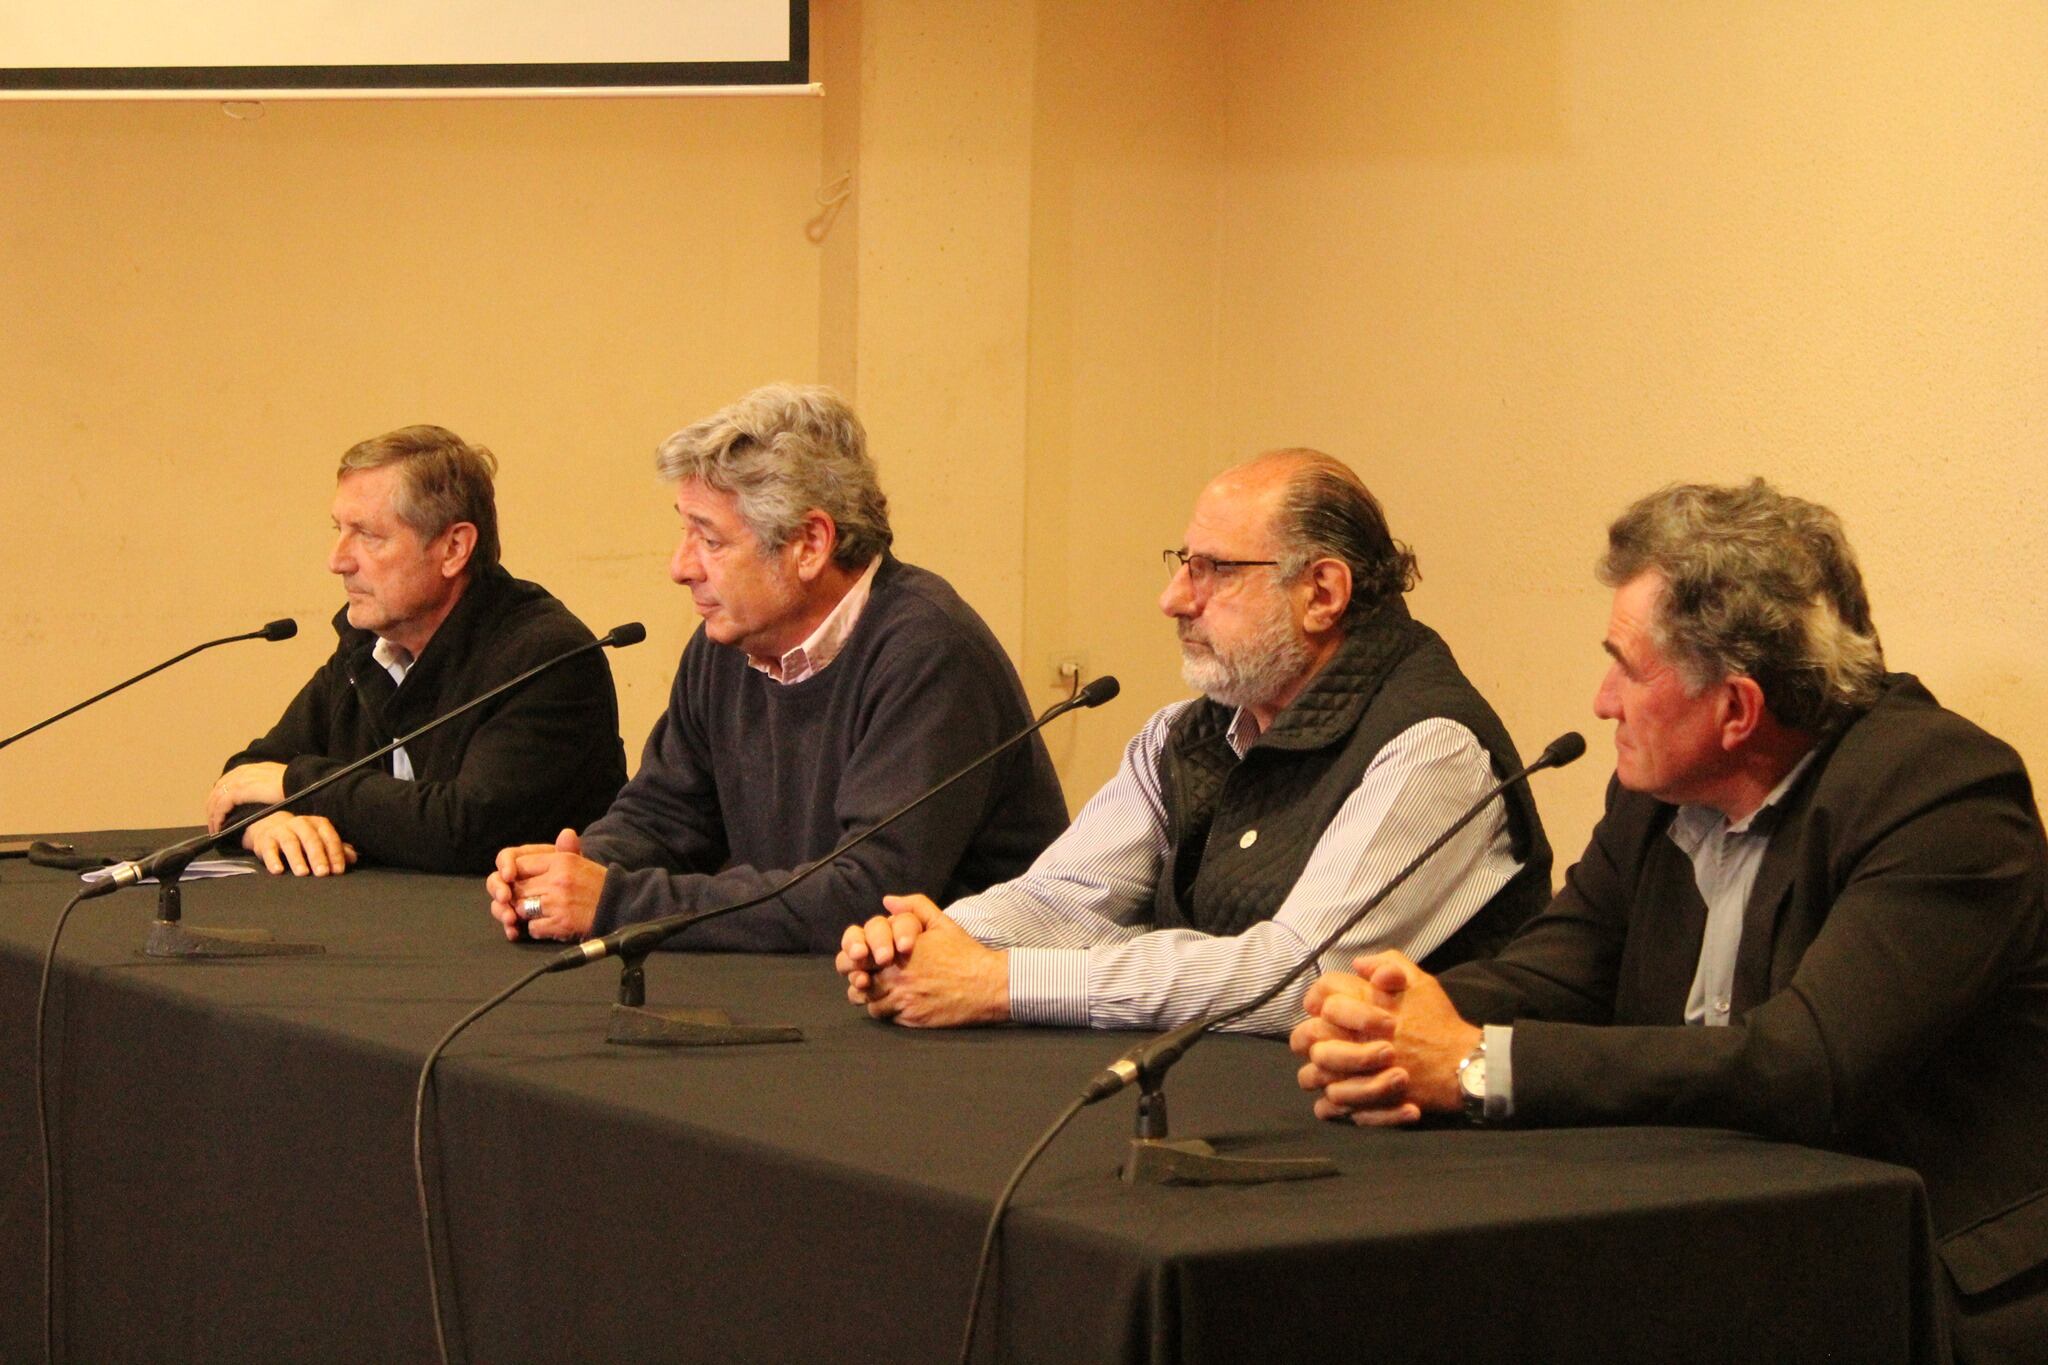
column 396, row 661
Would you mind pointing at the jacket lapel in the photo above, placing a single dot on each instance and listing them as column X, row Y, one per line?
column 1665, row 960
column 1772, row 892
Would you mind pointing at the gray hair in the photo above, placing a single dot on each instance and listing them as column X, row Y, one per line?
column 1756, row 584
column 442, row 479
column 1327, row 512
column 781, row 452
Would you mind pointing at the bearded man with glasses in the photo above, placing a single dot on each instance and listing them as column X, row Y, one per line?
column 1334, row 738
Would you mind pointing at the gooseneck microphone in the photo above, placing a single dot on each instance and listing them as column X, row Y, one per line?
column 637, row 940
column 282, row 629
column 169, row 861
column 1150, row 1060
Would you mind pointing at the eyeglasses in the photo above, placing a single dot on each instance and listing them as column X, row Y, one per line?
column 1206, row 571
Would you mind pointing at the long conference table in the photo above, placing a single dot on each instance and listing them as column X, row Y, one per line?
column 234, row 1178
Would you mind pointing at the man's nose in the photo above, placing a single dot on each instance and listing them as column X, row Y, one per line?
column 1178, row 601
column 1607, row 699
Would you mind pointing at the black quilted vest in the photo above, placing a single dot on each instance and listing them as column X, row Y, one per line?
column 1390, row 673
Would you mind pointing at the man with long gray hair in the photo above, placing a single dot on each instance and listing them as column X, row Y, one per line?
column 1334, row 739
column 1813, row 910
column 828, row 684
column 432, row 621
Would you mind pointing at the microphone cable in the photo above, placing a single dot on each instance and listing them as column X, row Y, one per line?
column 419, row 1164
column 43, row 1134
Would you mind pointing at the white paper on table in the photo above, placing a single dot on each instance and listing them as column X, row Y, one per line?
column 197, row 870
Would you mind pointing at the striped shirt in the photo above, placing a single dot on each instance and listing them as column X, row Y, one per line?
column 1077, row 924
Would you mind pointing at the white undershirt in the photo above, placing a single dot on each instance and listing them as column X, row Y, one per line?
column 396, row 661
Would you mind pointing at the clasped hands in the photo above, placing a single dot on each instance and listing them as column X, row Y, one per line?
column 919, row 968
column 1381, row 1047
column 556, row 881
column 309, row 845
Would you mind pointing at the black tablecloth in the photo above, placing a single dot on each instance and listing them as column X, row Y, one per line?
column 235, row 1178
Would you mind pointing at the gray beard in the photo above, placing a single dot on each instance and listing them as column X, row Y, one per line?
column 1251, row 673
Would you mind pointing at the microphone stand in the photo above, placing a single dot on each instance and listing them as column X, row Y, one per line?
column 1154, row 1158
column 169, row 937
column 634, row 1024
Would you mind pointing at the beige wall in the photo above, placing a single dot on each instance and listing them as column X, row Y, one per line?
column 203, row 312
column 1520, row 263
column 1517, row 263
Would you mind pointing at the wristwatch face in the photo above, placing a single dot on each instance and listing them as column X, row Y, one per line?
column 1472, row 1079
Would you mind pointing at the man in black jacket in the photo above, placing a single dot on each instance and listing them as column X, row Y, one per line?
column 1813, row 910
column 432, row 621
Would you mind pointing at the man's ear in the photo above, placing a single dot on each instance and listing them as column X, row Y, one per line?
column 1742, row 710
column 1329, row 595
column 814, row 543
column 460, row 541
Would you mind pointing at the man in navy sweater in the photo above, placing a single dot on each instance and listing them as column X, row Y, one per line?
column 829, row 684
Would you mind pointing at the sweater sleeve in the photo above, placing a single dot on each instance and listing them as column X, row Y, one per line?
column 666, row 821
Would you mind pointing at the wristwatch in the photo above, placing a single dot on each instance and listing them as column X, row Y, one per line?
column 1472, row 1083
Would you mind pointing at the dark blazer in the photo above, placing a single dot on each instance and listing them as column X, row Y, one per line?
column 544, row 756
column 1891, row 990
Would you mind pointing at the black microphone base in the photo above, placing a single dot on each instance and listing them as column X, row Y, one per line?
column 638, row 1026
column 172, row 939
column 1191, row 1161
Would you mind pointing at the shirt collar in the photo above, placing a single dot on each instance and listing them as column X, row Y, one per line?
column 393, row 659
column 1244, row 731
column 822, row 646
column 1693, row 824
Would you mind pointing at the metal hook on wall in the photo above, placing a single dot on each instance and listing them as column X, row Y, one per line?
column 831, row 198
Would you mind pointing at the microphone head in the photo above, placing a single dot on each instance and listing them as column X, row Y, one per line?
column 632, row 633
column 1099, row 691
column 282, row 629
column 1568, row 747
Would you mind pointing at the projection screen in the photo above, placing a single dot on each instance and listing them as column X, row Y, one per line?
column 248, row 49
